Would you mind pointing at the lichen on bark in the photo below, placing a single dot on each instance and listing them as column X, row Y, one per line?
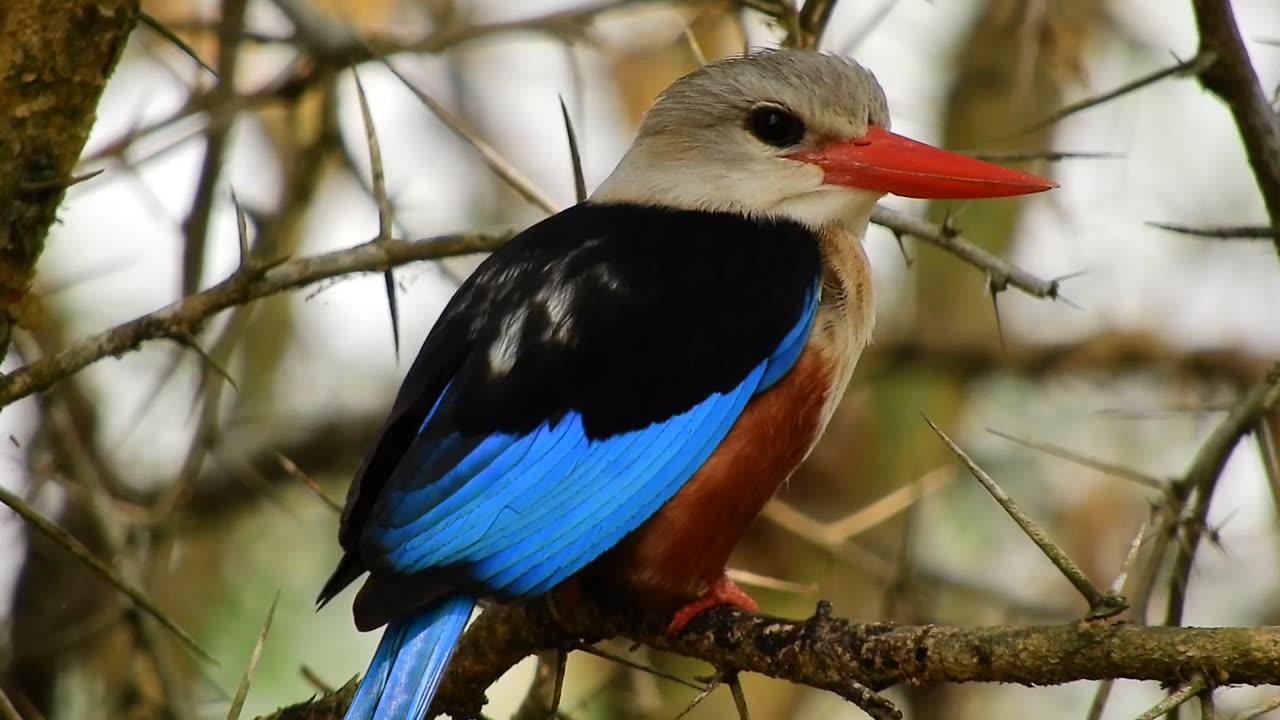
column 55, row 58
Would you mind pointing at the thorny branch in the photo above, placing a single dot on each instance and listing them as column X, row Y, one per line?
column 1000, row 272
column 183, row 318
column 840, row 656
column 1201, row 478
column 1232, row 78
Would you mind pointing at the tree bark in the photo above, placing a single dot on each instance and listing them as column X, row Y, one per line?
column 55, row 58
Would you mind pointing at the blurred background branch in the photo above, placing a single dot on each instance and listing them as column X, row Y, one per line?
column 201, row 470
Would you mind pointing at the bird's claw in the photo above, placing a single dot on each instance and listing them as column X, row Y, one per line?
column 722, row 592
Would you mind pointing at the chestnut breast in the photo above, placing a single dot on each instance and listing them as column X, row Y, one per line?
column 676, row 554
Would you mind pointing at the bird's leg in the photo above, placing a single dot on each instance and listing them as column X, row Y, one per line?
column 722, row 592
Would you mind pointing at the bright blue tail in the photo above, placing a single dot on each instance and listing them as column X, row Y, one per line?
column 406, row 669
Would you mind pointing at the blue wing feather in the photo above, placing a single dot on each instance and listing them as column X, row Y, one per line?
column 452, row 484
column 596, row 532
column 555, row 501
column 450, row 528
column 793, row 342
column 511, row 502
column 523, row 512
column 462, row 525
column 609, row 457
column 554, row 542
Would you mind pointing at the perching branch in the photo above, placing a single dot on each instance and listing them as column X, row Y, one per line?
column 837, row 655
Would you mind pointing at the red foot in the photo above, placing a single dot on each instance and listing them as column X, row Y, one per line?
column 722, row 592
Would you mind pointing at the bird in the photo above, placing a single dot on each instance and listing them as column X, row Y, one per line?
column 615, row 393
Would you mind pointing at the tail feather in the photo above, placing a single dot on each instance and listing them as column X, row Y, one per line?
column 409, row 662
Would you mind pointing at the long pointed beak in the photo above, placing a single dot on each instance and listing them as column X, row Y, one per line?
column 885, row 162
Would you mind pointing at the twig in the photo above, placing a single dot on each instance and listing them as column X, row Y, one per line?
column 811, row 24
column 182, row 318
column 1203, row 474
column 385, row 221
column 1184, row 693
column 1238, row 232
column 1193, row 66
column 217, row 136
column 1109, row 353
column 1103, row 694
column 69, row 424
column 174, row 39
column 592, row 650
column 77, row 549
column 294, row 471
column 1100, row 698
column 542, row 701
column 1046, row 155
column 30, row 186
column 1130, row 558
column 746, row 577
column 186, row 315
column 831, row 534
column 739, row 697
column 242, row 690
column 1100, row 605
column 575, row 157
column 1267, row 433
column 1231, row 77
column 1207, row 705
column 1112, row 469
column 705, row 693
column 508, row 173
column 1258, row 710
column 7, row 710
column 1001, row 272
column 317, row 682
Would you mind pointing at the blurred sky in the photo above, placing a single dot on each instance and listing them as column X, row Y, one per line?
column 115, row 253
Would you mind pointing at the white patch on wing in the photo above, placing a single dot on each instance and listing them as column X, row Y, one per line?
column 557, row 300
column 504, row 350
column 557, row 297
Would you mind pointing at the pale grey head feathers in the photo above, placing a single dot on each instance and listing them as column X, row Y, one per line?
column 837, row 98
column 695, row 148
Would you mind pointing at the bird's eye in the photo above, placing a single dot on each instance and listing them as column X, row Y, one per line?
column 775, row 126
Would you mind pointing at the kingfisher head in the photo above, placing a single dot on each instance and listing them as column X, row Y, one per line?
column 794, row 134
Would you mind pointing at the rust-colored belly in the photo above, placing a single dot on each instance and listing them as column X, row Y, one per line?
column 676, row 554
